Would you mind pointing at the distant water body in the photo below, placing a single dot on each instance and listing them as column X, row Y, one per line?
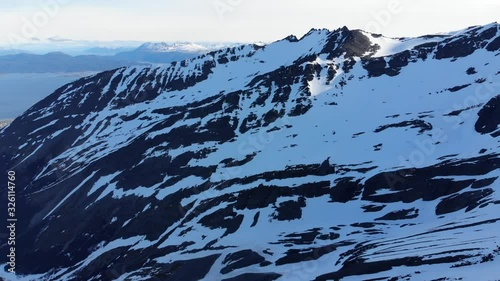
column 19, row 92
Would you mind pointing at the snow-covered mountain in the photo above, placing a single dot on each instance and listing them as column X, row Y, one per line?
column 162, row 52
column 4, row 123
column 342, row 155
column 174, row 47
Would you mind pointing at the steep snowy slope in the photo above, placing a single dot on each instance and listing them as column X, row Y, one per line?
column 340, row 155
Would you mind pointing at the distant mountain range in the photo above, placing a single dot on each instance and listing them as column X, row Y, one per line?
column 58, row 62
column 101, row 58
column 4, row 52
column 71, row 47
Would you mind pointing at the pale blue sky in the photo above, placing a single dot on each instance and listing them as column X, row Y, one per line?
column 232, row 20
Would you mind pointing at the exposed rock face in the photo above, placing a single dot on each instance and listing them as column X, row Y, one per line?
column 339, row 154
column 489, row 118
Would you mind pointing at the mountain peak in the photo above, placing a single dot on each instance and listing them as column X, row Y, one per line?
column 315, row 31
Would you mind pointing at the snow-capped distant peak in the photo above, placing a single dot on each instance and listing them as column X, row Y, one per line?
column 173, row 47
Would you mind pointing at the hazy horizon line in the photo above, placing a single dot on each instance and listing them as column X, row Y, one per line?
column 64, row 40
